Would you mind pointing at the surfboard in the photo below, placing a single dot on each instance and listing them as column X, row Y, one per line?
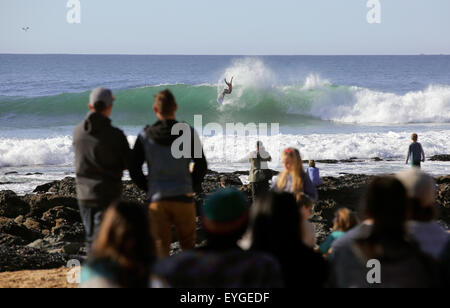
column 220, row 99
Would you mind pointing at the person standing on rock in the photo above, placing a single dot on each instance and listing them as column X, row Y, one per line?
column 171, row 182
column 258, row 177
column 415, row 152
column 101, row 155
column 293, row 178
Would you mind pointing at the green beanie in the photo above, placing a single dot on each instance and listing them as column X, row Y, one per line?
column 225, row 211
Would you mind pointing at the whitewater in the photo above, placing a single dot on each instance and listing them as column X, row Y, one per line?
column 329, row 108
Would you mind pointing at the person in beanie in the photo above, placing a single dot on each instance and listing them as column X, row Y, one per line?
column 221, row 263
column 101, row 155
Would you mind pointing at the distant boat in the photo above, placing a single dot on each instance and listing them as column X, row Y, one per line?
column 26, row 29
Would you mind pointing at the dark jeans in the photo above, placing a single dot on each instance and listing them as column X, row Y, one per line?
column 91, row 215
column 259, row 189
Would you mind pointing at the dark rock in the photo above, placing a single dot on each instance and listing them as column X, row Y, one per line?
column 35, row 173
column 35, row 225
column 377, row 159
column 12, row 172
column 443, row 179
column 440, row 158
column 61, row 212
column 39, row 204
column 11, row 205
column 68, row 232
column 16, row 258
column 8, row 226
column 133, row 193
column 44, row 187
column 65, row 187
column 327, row 161
column 8, row 239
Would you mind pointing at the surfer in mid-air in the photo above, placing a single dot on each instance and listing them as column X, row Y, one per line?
column 230, row 87
column 226, row 90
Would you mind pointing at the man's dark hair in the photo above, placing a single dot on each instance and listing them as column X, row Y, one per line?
column 165, row 102
column 99, row 106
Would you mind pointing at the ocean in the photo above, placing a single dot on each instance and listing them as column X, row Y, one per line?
column 330, row 107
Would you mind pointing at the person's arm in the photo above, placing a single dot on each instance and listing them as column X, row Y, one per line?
column 409, row 154
column 200, row 164
column 423, row 153
column 137, row 160
column 326, row 246
column 125, row 149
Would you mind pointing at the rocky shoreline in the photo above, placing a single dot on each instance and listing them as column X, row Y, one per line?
column 43, row 230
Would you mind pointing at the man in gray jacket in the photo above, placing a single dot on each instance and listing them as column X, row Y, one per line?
column 101, row 154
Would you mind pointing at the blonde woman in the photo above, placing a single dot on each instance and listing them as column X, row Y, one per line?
column 293, row 178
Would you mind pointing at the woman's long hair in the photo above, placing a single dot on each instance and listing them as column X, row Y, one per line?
column 296, row 173
column 125, row 239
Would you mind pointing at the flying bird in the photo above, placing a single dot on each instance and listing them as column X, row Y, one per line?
column 26, row 29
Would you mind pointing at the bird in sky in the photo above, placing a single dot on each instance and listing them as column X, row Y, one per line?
column 26, row 29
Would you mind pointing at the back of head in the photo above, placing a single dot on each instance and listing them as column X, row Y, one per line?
column 304, row 201
column 312, row 164
column 225, row 217
column 101, row 99
column 414, row 137
column 345, row 220
column 165, row 103
column 274, row 222
column 125, row 238
column 421, row 189
column 386, row 203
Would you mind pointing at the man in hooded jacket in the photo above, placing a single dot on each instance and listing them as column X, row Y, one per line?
column 172, row 179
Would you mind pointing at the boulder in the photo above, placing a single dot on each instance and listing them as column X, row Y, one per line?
column 11, row 205
column 39, row 204
column 16, row 258
column 8, row 226
column 444, row 157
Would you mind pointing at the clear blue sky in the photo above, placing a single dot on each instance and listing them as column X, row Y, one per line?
column 243, row 27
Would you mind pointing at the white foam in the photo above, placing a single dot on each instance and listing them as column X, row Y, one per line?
column 32, row 152
column 235, row 149
column 367, row 106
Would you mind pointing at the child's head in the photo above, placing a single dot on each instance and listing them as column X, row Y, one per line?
column 312, row 164
column 305, row 204
column 291, row 159
column 344, row 220
column 414, row 137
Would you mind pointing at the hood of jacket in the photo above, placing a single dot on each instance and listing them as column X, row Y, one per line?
column 95, row 122
column 161, row 132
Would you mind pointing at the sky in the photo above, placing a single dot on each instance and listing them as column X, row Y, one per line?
column 232, row 27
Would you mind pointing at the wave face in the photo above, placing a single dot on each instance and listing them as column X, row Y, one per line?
column 256, row 97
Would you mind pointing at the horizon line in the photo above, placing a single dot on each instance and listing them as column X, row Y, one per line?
column 223, row 55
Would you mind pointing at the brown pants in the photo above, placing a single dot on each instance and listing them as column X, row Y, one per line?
column 182, row 215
